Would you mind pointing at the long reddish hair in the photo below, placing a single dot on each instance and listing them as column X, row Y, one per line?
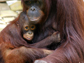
column 70, row 23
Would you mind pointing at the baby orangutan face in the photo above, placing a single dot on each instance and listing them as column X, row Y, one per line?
column 28, row 31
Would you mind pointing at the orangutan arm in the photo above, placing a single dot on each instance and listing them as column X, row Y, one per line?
column 22, row 54
column 55, row 37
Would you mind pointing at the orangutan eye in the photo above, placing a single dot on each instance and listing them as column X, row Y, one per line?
column 26, row 28
column 33, row 27
column 38, row 3
column 27, row 2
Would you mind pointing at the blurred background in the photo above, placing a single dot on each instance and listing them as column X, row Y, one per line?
column 9, row 10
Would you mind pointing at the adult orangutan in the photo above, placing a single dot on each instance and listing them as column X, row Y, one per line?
column 68, row 16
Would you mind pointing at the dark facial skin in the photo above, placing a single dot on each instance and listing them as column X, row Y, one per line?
column 35, row 10
column 27, row 27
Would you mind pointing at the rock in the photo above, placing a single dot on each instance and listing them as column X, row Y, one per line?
column 7, row 16
column 16, row 6
column 3, row 0
column 4, row 6
column 8, row 13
